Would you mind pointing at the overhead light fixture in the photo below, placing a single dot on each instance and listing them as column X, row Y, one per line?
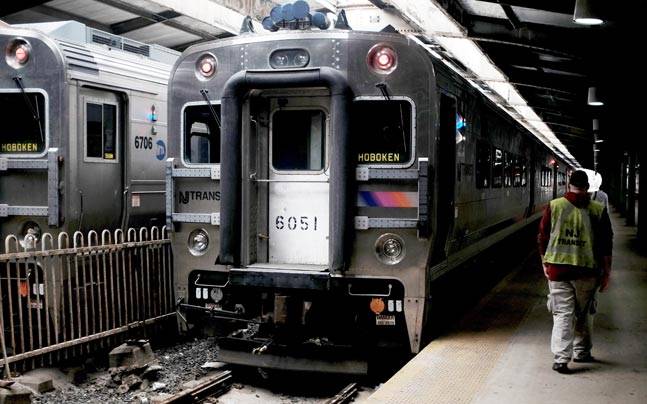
column 593, row 97
column 584, row 13
column 599, row 140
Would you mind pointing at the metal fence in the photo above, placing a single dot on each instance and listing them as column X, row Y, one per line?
column 59, row 299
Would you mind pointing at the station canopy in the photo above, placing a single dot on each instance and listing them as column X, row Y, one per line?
column 528, row 56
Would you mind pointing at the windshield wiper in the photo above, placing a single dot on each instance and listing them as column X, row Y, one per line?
column 34, row 111
column 204, row 93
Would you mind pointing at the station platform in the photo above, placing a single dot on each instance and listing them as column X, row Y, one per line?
column 500, row 351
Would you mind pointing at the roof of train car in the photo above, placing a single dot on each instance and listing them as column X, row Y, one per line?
column 89, row 50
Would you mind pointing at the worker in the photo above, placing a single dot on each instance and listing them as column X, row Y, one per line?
column 575, row 242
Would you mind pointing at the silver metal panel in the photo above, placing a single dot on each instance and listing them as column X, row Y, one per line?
column 211, row 218
column 365, row 223
column 6, row 164
column 6, row 210
column 367, row 173
column 211, row 172
column 52, row 187
column 169, row 193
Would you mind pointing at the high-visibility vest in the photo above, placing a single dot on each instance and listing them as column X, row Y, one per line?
column 571, row 233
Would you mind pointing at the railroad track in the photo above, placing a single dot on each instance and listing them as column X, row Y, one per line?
column 212, row 386
column 219, row 384
column 346, row 395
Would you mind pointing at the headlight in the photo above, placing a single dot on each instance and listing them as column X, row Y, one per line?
column 289, row 58
column 198, row 242
column 29, row 235
column 389, row 249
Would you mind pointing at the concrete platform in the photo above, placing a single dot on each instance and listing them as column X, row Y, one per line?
column 500, row 353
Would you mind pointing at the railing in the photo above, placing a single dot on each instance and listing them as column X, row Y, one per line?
column 75, row 291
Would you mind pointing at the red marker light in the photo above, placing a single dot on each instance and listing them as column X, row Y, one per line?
column 382, row 59
column 206, row 66
column 21, row 54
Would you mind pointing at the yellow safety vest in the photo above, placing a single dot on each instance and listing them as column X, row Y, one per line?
column 571, row 233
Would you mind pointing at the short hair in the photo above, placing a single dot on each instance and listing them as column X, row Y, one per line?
column 579, row 179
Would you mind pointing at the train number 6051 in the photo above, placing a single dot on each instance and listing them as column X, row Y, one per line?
column 303, row 223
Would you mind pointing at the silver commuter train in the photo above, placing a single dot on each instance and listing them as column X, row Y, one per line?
column 322, row 180
column 83, row 137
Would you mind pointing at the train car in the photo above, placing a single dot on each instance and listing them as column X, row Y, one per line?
column 83, row 137
column 321, row 180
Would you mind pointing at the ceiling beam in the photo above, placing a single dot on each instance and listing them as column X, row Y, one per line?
column 11, row 7
column 64, row 15
column 141, row 22
column 512, row 17
column 555, row 6
column 148, row 15
column 213, row 12
column 566, row 40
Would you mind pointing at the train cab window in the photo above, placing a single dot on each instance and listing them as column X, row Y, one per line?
column 507, row 169
column 299, row 140
column 497, row 169
column 24, row 132
column 100, row 131
column 201, row 135
column 483, row 165
column 381, row 132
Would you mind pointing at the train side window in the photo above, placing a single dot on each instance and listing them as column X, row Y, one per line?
column 497, row 169
column 298, row 140
column 550, row 178
column 22, row 133
column 483, row 165
column 507, row 169
column 543, row 177
column 524, row 172
column 517, row 171
column 101, row 131
column 201, row 140
column 382, row 131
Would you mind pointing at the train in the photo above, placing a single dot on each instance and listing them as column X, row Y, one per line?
column 83, row 144
column 322, row 179
column 83, row 141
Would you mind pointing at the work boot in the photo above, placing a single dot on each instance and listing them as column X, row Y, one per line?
column 561, row 368
column 586, row 358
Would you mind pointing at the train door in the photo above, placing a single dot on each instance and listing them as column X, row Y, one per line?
column 445, row 174
column 100, row 163
column 298, row 186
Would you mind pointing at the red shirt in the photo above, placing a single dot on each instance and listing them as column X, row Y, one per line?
column 602, row 247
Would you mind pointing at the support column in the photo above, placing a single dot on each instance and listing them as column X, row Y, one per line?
column 622, row 195
column 642, row 200
column 630, row 214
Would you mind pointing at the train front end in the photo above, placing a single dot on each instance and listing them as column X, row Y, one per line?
column 298, row 195
column 32, row 100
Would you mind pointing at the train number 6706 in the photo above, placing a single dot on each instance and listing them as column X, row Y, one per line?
column 303, row 223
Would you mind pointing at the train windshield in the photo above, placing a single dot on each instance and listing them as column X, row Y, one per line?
column 381, row 131
column 23, row 129
column 201, row 135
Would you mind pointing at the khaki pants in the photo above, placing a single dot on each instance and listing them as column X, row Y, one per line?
column 572, row 304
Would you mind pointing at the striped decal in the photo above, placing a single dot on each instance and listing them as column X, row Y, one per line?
column 387, row 199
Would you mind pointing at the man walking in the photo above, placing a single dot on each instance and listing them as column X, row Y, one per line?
column 575, row 242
